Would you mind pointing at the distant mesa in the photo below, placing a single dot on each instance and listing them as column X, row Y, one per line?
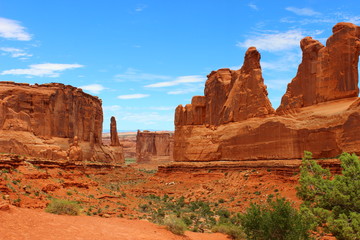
column 53, row 121
column 320, row 111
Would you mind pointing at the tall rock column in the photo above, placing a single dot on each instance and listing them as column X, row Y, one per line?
column 113, row 133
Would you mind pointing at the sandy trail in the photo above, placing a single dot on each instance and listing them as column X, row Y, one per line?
column 29, row 224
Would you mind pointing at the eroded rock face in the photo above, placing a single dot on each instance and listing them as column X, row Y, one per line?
column 75, row 152
column 154, row 146
column 43, row 120
column 325, row 73
column 320, row 112
column 230, row 96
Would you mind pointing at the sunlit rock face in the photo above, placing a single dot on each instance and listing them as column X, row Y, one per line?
column 320, row 111
column 47, row 120
column 326, row 72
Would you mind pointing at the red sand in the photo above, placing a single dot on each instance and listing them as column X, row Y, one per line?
column 29, row 224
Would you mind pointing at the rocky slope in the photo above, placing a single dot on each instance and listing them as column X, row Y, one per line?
column 53, row 121
column 319, row 112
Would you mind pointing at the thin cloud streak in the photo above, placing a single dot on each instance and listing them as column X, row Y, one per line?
column 273, row 42
column 253, row 6
column 16, row 52
column 93, row 88
column 135, row 75
column 177, row 81
column 302, row 11
column 42, row 70
column 133, row 96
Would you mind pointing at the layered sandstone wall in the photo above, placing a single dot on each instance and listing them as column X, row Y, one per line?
column 326, row 72
column 154, row 146
column 47, row 120
column 320, row 111
column 230, row 96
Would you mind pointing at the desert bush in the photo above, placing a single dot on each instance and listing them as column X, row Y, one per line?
column 234, row 231
column 333, row 201
column 175, row 225
column 275, row 220
column 59, row 206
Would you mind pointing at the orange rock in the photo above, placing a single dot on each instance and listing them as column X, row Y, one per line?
column 154, row 146
column 113, row 133
column 325, row 73
column 230, row 96
column 320, row 111
column 75, row 152
column 4, row 206
column 42, row 121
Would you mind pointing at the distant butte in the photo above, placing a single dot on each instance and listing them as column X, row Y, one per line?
column 320, row 111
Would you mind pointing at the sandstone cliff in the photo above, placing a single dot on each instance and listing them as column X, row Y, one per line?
column 230, row 96
column 47, row 120
column 154, row 146
column 320, row 111
column 326, row 73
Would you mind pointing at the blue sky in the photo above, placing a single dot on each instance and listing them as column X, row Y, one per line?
column 143, row 58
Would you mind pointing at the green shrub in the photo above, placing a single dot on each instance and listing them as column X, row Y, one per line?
column 334, row 201
column 59, row 206
column 235, row 232
column 175, row 225
column 275, row 220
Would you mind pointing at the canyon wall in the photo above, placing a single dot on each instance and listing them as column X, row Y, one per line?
column 320, row 111
column 53, row 121
column 154, row 146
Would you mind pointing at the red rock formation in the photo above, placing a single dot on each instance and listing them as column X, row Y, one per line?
column 154, row 146
column 326, row 73
column 241, row 125
column 42, row 121
column 113, row 133
column 75, row 152
column 230, row 96
column 128, row 143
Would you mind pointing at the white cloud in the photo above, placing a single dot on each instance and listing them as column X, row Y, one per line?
column 42, row 70
column 347, row 18
column 132, row 74
column 93, row 88
column 182, row 91
column 133, row 96
column 288, row 61
column 147, row 118
column 16, row 52
column 140, row 7
column 272, row 42
column 303, row 11
column 11, row 29
column 177, row 81
column 253, row 6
